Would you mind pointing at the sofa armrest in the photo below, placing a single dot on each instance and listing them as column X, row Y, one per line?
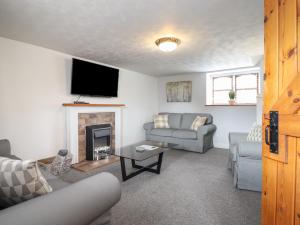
column 235, row 137
column 249, row 149
column 80, row 203
column 149, row 126
column 5, row 148
column 206, row 129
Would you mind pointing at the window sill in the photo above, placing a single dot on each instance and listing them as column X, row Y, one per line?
column 231, row 105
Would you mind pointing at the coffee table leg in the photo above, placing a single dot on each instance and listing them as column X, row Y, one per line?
column 133, row 163
column 160, row 157
column 123, row 168
column 141, row 168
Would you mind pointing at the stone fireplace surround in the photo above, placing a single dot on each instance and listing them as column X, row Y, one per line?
column 79, row 116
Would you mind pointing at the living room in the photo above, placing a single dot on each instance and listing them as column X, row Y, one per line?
column 139, row 112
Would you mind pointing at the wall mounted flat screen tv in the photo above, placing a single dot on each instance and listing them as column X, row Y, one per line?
column 93, row 79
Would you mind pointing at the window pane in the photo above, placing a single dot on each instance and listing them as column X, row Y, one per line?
column 246, row 96
column 221, row 97
column 246, row 81
column 222, row 83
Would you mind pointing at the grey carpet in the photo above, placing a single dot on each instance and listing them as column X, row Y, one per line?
column 192, row 189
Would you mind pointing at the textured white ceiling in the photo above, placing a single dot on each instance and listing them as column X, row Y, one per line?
column 215, row 34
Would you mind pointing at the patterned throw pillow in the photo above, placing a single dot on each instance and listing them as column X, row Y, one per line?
column 198, row 122
column 255, row 133
column 20, row 181
column 161, row 121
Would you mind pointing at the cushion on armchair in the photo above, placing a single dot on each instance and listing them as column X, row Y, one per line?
column 255, row 133
column 20, row 181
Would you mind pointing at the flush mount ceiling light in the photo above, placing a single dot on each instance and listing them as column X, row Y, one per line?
column 167, row 44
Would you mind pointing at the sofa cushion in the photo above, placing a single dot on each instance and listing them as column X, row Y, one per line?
column 255, row 133
column 161, row 121
column 20, row 181
column 162, row 132
column 188, row 119
column 185, row 134
column 198, row 122
column 174, row 119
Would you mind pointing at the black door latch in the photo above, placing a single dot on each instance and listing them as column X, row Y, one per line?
column 271, row 132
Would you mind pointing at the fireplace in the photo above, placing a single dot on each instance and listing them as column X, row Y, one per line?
column 98, row 141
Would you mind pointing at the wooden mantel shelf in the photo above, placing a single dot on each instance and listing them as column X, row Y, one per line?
column 93, row 105
column 231, row 105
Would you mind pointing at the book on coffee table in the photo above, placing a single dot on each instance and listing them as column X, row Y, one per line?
column 145, row 148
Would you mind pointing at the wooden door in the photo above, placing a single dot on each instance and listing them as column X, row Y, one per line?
column 281, row 171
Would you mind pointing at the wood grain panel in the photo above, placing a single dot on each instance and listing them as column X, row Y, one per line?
column 297, row 204
column 286, row 186
column 289, row 100
column 298, row 39
column 269, row 189
column 287, row 12
column 289, row 125
column 271, row 54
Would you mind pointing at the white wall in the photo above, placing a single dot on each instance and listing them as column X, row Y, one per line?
column 34, row 82
column 227, row 119
column 259, row 105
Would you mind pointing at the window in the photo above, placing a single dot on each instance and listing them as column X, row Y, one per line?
column 245, row 84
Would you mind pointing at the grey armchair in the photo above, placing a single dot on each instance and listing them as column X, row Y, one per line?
column 244, row 160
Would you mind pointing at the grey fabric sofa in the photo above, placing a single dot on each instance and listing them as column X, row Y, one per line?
column 244, row 159
column 85, row 202
column 180, row 133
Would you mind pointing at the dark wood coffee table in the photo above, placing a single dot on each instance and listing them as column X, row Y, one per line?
column 130, row 152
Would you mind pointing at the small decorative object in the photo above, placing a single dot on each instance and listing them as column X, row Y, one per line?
column 231, row 95
column 61, row 163
column 180, row 91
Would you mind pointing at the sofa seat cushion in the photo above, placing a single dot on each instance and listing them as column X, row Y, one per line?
column 185, row 134
column 166, row 132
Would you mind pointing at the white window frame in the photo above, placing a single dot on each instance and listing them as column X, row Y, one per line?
column 230, row 73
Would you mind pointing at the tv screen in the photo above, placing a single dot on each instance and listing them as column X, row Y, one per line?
column 93, row 79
